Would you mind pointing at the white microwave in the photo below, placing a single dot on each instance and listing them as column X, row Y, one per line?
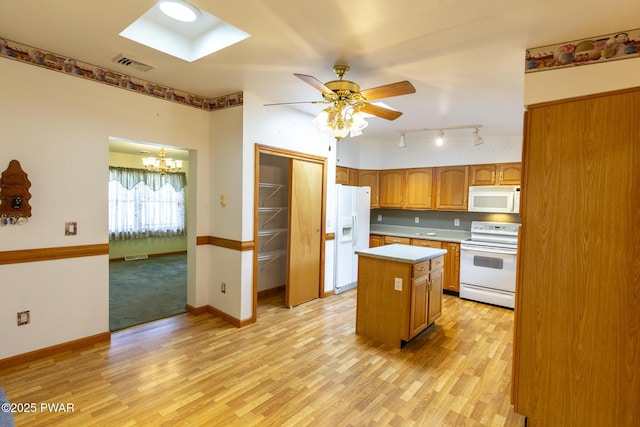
column 494, row 198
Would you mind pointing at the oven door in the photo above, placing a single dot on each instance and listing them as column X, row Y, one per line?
column 488, row 267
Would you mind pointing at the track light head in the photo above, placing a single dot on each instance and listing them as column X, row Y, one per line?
column 477, row 139
column 403, row 142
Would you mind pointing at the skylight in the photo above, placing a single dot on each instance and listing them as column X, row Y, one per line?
column 188, row 41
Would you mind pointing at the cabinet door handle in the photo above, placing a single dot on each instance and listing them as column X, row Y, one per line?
column 501, row 176
column 422, row 269
column 493, row 177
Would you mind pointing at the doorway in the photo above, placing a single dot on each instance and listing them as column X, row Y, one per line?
column 289, row 222
column 147, row 271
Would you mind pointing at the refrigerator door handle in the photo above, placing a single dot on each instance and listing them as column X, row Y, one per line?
column 355, row 230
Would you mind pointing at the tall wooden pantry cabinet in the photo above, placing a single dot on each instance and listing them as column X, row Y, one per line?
column 576, row 359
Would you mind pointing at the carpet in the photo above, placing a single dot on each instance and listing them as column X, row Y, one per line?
column 6, row 417
column 144, row 290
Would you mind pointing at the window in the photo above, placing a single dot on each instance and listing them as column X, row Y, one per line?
column 145, row 204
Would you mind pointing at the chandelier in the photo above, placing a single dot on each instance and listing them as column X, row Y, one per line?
column 341, row 119
column 162, row 164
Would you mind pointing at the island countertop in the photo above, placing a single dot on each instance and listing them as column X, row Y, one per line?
column 402, row 253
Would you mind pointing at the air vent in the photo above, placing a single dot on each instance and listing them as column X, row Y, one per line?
column 128, row 62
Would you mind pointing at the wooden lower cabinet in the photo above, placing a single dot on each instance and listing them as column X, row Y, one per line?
column 389, row 240
column 391, row 315
column 436, row 280
column 376, row 240
column 451, row 272
column 427, row 243
column 451, row 266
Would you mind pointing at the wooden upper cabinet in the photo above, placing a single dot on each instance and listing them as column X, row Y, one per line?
column 353, row 177
column 369, row 178
column 391, row 188
column 509, row 173
column 495, row 174
column 452, row 188
column 346, row 176
column 342, row 175
column 482, row 174
column 418, row 185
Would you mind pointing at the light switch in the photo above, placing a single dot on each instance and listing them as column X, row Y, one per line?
column 398, row 284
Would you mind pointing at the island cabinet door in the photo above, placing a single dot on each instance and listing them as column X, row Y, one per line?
column 436, row 281
column 418, row 308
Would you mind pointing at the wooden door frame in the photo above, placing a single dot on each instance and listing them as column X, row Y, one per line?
column 281, row 152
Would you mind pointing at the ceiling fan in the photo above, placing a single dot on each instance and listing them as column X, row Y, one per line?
column 346, row 101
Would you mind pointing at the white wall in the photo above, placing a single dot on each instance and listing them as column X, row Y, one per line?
column 58, row 127
column 421, row 151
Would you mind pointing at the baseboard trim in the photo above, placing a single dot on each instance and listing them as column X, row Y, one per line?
column 272, row 291
column 196, row 310
column 55, row 349
column 152, row 255
column 218, row 313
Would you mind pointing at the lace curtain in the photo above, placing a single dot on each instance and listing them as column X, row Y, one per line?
column 145, row 204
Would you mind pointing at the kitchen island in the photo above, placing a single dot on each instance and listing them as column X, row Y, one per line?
column 399, row 291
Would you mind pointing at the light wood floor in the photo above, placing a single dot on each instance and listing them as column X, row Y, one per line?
column 294, row 367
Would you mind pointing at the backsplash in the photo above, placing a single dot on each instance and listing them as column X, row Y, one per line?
column 437, row 219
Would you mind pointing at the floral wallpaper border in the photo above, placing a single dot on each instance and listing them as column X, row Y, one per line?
column 34, row 56
column 621, row 45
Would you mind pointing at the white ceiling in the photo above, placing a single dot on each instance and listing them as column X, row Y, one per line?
column 465, row 58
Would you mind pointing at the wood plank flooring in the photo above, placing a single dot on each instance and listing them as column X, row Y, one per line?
column 295, row 367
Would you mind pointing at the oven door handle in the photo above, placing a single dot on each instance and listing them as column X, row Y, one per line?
column 489, row 250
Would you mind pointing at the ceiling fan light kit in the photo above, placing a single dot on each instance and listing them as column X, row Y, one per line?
column 348, row 104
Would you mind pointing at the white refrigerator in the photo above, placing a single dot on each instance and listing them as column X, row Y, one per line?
column 352, row 233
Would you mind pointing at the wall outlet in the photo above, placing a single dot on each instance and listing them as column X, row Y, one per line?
column 24, row 318
column 379, row 217
column 456, row 222
column 223, row 287
column 417, row 220
column 397, row 284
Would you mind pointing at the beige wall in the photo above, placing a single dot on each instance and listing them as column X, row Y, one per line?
column 58, row 127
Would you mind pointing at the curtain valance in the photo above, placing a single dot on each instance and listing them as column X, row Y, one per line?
column 130, row 177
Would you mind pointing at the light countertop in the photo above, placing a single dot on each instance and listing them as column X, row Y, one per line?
column 444, row 235
column 402, row 253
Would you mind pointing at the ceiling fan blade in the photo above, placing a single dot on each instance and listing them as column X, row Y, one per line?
column 315, row 83
column 384, row 113
column 292, row 103
column 387, row 91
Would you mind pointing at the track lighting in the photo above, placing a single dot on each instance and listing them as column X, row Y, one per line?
column 477, row 139
column 403, row 142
